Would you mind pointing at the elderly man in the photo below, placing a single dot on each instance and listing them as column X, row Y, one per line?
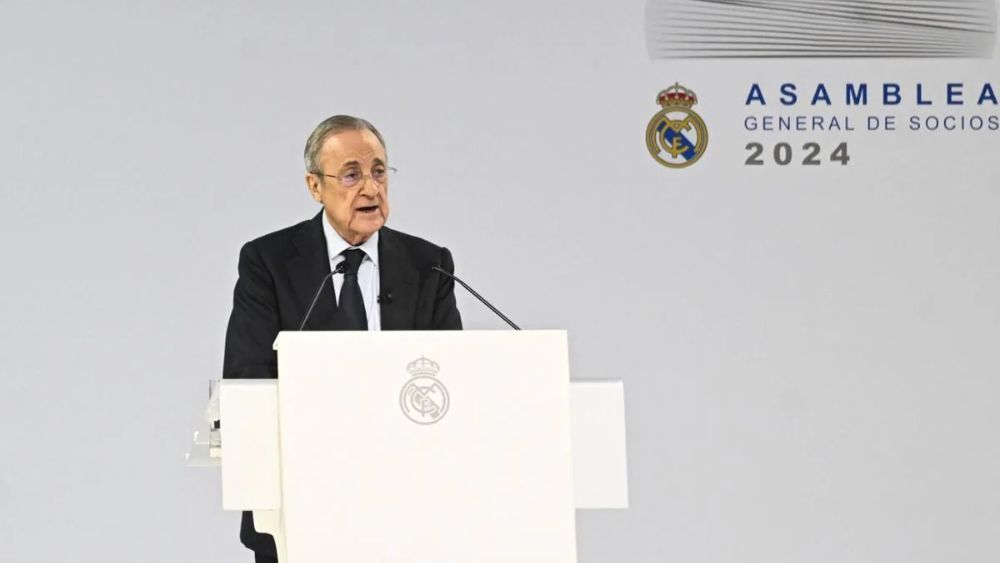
column 383, row 279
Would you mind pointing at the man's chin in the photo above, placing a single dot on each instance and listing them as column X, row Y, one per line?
column 365, row 229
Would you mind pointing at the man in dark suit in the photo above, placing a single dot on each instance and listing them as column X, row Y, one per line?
column 383, row 278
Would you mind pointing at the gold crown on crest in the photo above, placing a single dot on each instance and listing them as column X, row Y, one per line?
column 423, row 366
column 676, row 95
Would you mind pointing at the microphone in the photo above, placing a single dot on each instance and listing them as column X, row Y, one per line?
column 338, row 270
column 477, row 296
column 385, row 297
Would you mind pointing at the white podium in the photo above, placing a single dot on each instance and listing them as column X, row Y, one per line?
column 414, row 447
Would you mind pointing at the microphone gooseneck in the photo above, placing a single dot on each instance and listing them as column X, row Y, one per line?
column 338, row 270
column 477, row 296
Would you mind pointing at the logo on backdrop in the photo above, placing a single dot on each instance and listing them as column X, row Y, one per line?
column 676, row 136
column 424, row 399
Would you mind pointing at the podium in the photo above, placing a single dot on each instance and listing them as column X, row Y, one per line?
column 423, row 446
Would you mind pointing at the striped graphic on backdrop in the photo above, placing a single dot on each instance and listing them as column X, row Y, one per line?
column 819, row 28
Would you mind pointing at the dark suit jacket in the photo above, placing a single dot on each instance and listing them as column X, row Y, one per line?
column 279, row 274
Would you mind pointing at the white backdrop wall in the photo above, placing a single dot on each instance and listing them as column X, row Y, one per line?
column 810, row 355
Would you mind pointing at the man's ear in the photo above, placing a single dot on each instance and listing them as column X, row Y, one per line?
column 312, row 183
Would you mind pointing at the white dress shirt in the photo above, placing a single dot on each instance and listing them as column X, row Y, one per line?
column 367, row 271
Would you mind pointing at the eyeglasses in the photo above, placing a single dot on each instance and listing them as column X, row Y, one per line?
column 380, row 175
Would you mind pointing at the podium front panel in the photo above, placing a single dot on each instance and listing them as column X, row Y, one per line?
column 442, row 447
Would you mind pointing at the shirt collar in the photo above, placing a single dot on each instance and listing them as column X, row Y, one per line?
column 335, row 244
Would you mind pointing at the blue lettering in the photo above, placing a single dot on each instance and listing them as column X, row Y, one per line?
column 788, row 95
column 857, row 96
column 955, row 94
column 755, row 95
column 920, row 96
column 821, row 94
column 987, row 94
column 890, row 94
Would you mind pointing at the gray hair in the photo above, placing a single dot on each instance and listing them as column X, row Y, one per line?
column 332, row 126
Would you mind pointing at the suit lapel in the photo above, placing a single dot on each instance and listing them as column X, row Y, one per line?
column 307, row 268
column 397, row 277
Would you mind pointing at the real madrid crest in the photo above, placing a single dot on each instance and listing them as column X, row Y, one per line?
column 424, row 399
column 676, row 136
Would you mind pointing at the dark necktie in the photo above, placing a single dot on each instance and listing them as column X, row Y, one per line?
column 351, row 307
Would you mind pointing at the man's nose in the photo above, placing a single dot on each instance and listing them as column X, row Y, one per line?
column 369, row 187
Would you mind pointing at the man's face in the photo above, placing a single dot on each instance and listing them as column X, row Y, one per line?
column 358, row 211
